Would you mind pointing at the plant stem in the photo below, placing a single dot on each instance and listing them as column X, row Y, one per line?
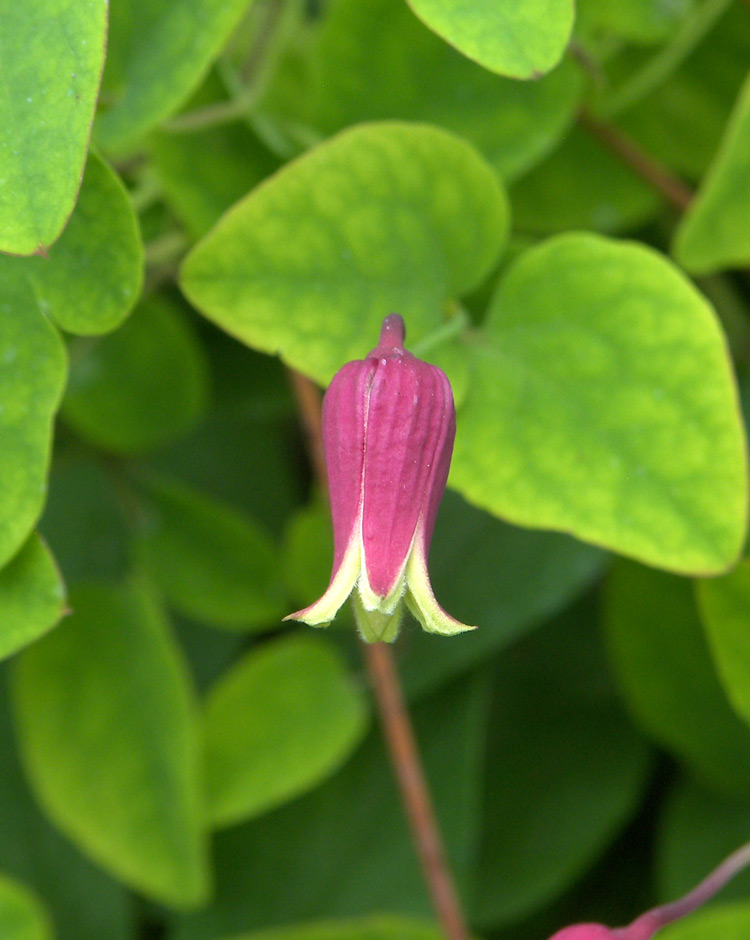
column 651, row 170
column 395, row 721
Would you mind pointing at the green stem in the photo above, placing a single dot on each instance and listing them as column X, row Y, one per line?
column 669, row 57
column 455, row 326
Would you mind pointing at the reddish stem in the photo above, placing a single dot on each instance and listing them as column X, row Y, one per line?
column 395, row 720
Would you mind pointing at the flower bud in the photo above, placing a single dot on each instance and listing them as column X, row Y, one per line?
column 388, row 428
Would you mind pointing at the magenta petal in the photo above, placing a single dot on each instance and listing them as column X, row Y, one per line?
column 410, row 427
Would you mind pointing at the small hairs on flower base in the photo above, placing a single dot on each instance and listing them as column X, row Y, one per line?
column 389, row 423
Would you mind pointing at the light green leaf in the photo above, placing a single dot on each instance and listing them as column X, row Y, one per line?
column 158, row 52
column 728, row 922
column 140, row 387
column 32, row 596
column 83, row 902
column 725, row 607
column 560, row 750
column 22, row 916
column 714, row 234
column 107, row 730
column 604, row 405
column 32, row 376
column 92, row 276
column 52, row 56
column 283, row 719
column 519, row 38
column 383, row 217
column 212, row 562
column 665, row 670
column 581, row 186
column 400, row 69
column 372, row 928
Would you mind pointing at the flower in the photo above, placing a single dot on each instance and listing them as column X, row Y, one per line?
column 388, row 428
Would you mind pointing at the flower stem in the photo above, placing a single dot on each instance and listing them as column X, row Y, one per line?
column 647, row 167
column 395, row 720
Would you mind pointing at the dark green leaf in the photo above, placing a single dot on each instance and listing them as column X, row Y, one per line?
column 140, row 387
column 374, row 928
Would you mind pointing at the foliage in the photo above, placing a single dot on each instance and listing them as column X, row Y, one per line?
column 246, row 187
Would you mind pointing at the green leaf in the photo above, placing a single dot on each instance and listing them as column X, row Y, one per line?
column 713, row 234
column 32, row 376
column 519, row 38
column 140, row 387
column 641, row 21
column 32, row 596
column 83, row 902
column 22, row 916
column 401, row 70
column 281, row 721
column 560, row 750
column 604, row 405
column 581, row 186
column 259, row 883
column 212, row 563
column 665, row 671
column 158, row 52
column 94, row 272
column 729, row 922
column 725, row 607
column 204, row 173
column 372, row 221
column 698, row 830
column 372, row 928
column 107, row 730
column 52, row 56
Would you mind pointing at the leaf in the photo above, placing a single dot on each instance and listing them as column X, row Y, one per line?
column 140, row 387
column 724, row 606
column 713, row 233
column 94, row 272
column 400, row 69
column 372, row 928
column 664, row 668
column 107, row 732
column 641, row 21
column 581, row 186
column 84, row 522
column 158, row 52
column 22, row 916
column 519, row 38
column 211, row 562
column 560, row 750
column 258, row 882
column 729, row 922
column 281, row 721
column 205, row 172
column 604, row 405
column 31, row 597
column 373, row 220
column 32, row 376
column 52, row 57
column 83, row 902
column 698, row 830
column 92, row 275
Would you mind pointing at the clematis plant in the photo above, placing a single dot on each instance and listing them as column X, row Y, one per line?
column 647, row 925
column 389, row 423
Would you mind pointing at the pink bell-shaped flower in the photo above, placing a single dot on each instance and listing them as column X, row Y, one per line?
column 389, row 423
column 650, row 923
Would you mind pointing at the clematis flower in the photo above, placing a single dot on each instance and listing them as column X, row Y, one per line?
column 388, row 428
column 648, row 924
